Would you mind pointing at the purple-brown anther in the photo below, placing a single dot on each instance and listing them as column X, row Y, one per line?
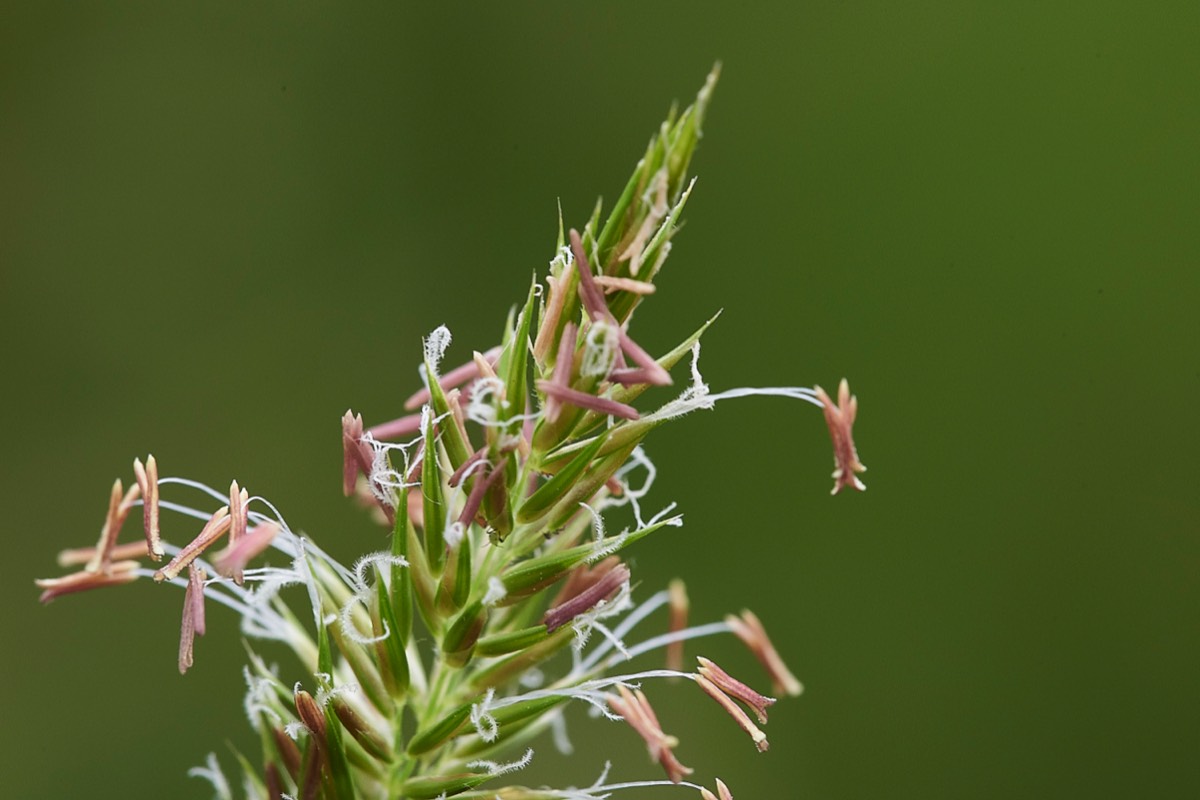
column 636, row 710
column 289, row 752
column 402, row 428
column 118, row 572
column 357, row 456
column 457, row 476
column 750, row 630
column 677, row 607
column 583, row 577
column 314, row 719
column 564, row 359
column 631, row 376
column 840, row 419
column 193, row 616
column 736, row 689
column 239, row 519
column 561, row 376
column 119, row 504
column 121, row 552
column 587, row 599
column 723, row 792
column 590, row 402
column 455, row 377
column 589, row 293
column 735, row 711
column 147, row 481
column 311, row 715
column 233, row 559
column 562, row 373
column 216, row 527
column 478, row 492
column 274, row 782
column 311, row 783
column 551, row 314
column 653, row 371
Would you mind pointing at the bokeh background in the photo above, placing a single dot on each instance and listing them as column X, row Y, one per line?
column 221, row 224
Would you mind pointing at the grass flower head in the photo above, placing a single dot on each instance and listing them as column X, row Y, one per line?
column 439, row 666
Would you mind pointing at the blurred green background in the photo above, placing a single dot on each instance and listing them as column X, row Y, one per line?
column 221, row 224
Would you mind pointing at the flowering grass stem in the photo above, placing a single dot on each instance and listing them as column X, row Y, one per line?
column 503, row 596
